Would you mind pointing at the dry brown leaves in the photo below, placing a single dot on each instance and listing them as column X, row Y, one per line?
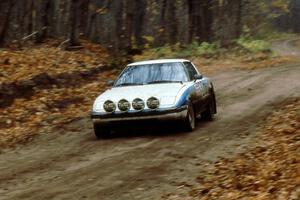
column 48, row 108
column 28, row 62
column 269, row 171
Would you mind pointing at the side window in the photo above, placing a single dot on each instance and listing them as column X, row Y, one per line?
column 190, row 69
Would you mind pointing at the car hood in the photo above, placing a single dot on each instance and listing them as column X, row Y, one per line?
column 142, row 91
column 166, row 93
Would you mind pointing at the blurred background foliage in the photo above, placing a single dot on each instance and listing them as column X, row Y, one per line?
column 129, row 27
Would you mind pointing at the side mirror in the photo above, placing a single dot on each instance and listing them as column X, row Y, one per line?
column 198, row 76
column 110, row 83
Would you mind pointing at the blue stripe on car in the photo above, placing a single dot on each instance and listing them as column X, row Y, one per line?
column 185, row 96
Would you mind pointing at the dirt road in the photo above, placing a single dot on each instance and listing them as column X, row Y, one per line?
column 72, row 164
column 286, row 47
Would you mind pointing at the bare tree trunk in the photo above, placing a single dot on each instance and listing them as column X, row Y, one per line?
column 227, row 24
column 162, row 24
column 129, row 19
column 171, row 22
column 42, row 20
column 29, row 18
column 5, row 26
column 207, row 19
column 140, row 9
column 239, row 18
column 73, row 29
column 191, row 20
column 119, row 45
column 295, row 15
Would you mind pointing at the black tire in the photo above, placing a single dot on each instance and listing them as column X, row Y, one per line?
column 189, row 122
column 208, row 114
column 214, row 103
column 101, row 131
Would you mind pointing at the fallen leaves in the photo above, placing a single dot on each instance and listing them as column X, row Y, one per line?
column 26, row 63
column 49, row 105
column 269, row 170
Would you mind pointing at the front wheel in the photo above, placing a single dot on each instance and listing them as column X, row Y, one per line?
column 189, row 121
column 101, row 131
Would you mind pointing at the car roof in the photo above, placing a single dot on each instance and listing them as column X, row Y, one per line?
column 147, row 62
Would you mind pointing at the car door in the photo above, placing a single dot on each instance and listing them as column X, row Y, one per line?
column 204, row 84
column 200, row 90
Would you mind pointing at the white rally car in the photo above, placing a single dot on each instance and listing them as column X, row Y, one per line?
column 167, row 89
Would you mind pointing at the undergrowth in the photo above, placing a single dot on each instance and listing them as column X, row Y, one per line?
column 243, row 45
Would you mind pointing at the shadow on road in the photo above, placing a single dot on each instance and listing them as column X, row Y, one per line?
column 138, row 129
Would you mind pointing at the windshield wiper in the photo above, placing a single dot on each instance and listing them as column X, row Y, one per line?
column 127, row 84
column 164, row 81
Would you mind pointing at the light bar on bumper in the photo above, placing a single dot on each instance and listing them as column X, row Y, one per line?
column 170, row 113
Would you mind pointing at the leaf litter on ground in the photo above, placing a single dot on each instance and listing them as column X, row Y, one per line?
column 269, row 170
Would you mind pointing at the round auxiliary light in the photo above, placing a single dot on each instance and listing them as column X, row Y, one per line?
column 153, row 103
column 109, row 106
column 138, row 104
column 123, row 105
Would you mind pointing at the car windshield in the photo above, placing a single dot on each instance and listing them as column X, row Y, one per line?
column 153, row 73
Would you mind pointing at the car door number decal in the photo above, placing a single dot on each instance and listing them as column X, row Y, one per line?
column 200, row 88
column 198, row 85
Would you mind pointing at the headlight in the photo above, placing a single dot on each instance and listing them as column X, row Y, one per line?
column 109, row 106
column 153, row 103
column 124, row 105
column 138, row 104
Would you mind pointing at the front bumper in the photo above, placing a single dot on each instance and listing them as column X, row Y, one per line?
column 160, row 114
